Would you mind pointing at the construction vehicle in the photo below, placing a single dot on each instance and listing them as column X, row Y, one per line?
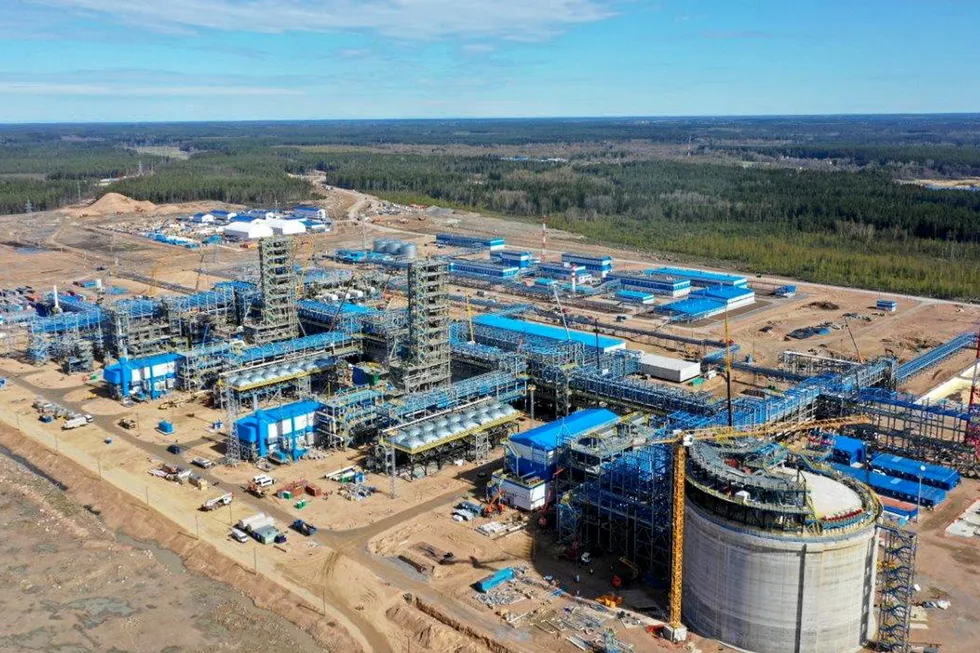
column 304, row 528
column 681, row 440
column 171, row 403
column 494, row 505
column 609, row 600
column 625, row 573
column 217, row 502
column 128, row 423
column 256, row 490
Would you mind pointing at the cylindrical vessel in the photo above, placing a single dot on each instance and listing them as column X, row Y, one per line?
column 771, row 592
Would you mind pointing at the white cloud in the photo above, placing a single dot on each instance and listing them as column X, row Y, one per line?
column 404, row 19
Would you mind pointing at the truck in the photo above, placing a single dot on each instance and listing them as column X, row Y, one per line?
column 305, row 528
column 216, row 502
column 74, row 423
column 128, row 423
column 203, row 463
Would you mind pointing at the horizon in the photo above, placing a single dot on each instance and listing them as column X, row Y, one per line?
column 800, row 116
column 111, row 61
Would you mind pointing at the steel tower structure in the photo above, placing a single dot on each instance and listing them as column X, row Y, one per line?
column 277, row 281
column 426, row 363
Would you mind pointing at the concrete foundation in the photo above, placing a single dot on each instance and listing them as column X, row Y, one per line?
column 772, row 594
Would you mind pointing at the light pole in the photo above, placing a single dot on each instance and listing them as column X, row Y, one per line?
column 918, row 496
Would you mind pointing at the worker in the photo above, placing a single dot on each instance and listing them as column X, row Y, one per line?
column 617, row 582
column 591, row 571
column 578, row 578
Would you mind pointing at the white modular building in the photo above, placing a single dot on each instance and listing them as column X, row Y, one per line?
column 669, row 369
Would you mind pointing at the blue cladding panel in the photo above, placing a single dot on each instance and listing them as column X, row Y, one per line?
column 695, row 307
column 724, row 292
column 545, row 331
column 848, row 450
column 547, row 436
column 703, row 277
column 897, row 488
column 934, row 475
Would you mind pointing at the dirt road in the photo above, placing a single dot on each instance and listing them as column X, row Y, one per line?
column 351, row 544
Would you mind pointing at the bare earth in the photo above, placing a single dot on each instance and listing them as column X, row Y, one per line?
column 71, row 585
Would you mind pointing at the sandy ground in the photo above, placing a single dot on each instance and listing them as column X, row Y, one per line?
column 72, row 584
column 948, row 567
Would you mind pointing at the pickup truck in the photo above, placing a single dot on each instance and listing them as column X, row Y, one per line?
column 203, row 463
column 303, row 527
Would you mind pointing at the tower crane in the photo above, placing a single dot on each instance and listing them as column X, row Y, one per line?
column 681, row 440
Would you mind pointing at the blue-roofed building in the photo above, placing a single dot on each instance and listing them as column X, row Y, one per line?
column 563, row 271
column 482, row 269
column 287, row 431
column 598, row 266
column 703, row 278
column 531, row 458
column 658, row 284
column 635, row 297
column 708, row 302
column 939, row 476
column 692, row 308
column 732, row 296
column 512, row 258
column 590, row 340
column 307, row 212
column 472, row 242
column 894, row 487
column 224, row 216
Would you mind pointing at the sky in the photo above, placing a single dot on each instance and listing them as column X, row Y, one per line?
column 177, row 60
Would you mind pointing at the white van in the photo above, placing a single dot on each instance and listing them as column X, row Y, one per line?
column 238, row 534
column 262, row 480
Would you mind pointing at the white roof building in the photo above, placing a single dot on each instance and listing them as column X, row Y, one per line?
column 285, row 227
column 248, row 230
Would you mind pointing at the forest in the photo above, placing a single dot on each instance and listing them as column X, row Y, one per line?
column 847, row 223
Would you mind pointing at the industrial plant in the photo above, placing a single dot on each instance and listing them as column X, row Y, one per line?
column 771, row 522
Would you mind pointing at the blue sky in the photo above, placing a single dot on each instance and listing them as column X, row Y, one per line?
column 124, row 60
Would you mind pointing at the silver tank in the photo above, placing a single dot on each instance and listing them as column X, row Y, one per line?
column 410, row 251
column 394, row 247
column 380, row 244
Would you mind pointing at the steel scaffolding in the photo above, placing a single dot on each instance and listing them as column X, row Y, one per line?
column 626, row 510
column 427, row 363
column 55, row 337
column 896, row 588
column 503, row 387
column 348, row 416
column 277, row 280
